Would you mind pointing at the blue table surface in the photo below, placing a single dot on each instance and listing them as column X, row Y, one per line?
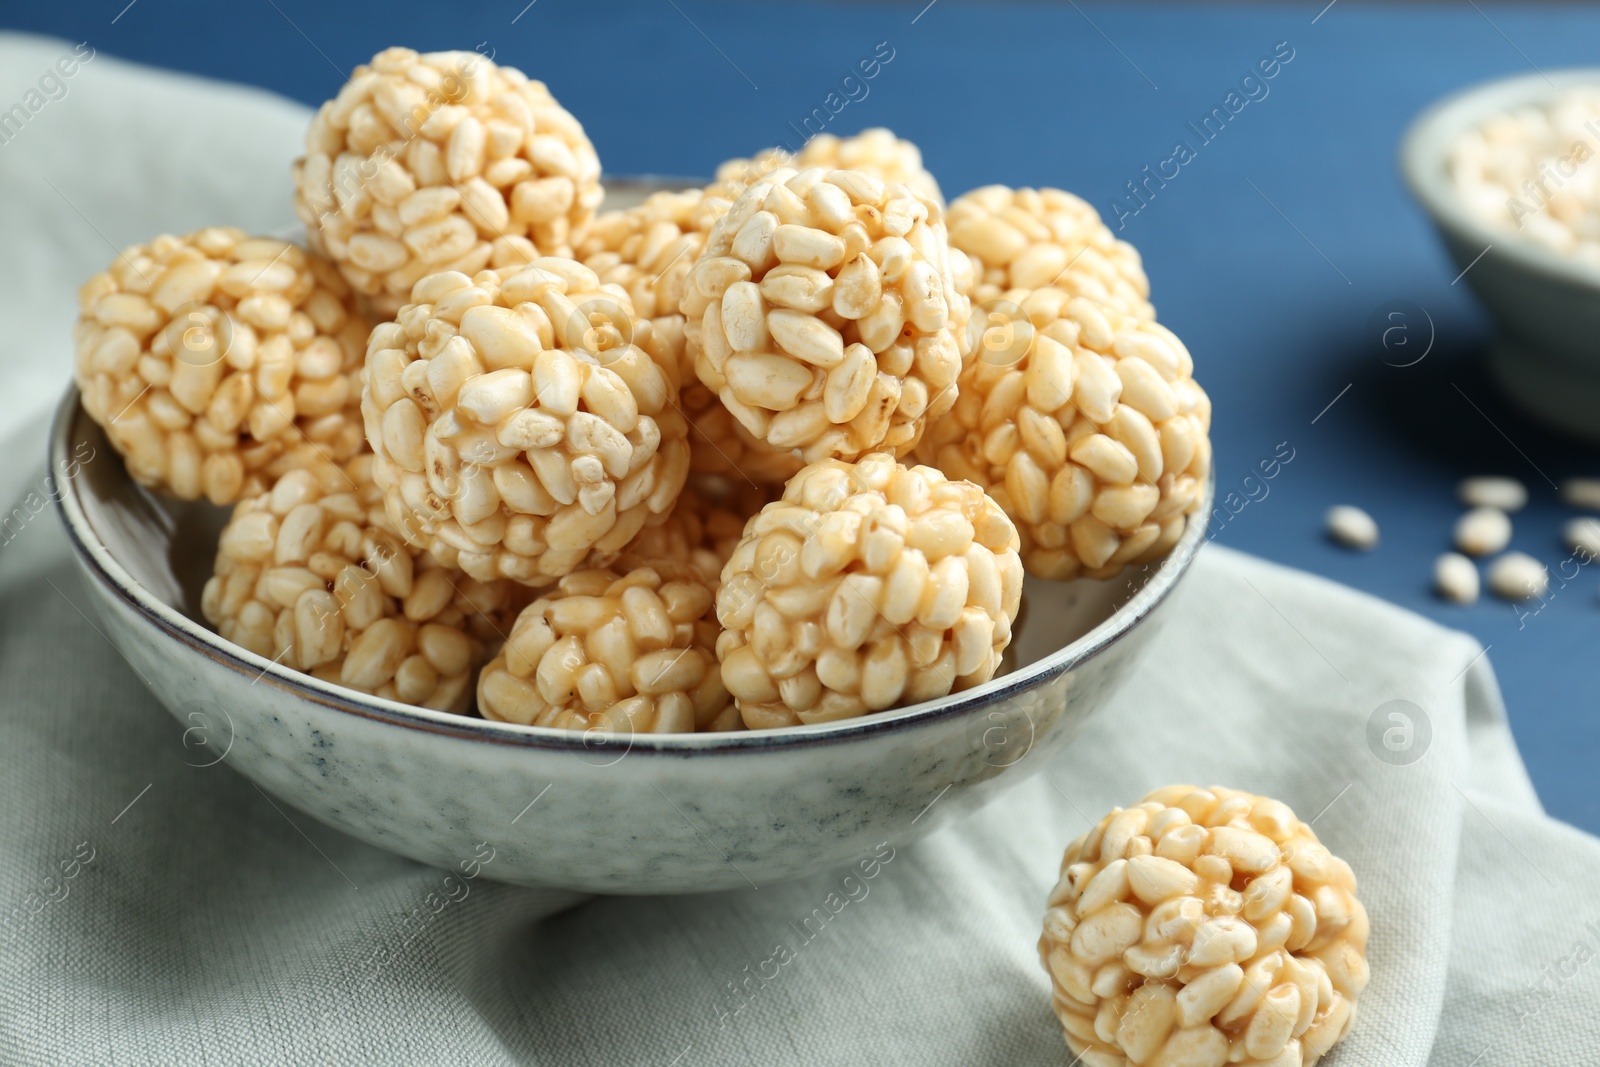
column 1269, row 253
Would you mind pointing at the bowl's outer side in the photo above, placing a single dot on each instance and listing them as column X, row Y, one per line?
column 614, row 819
column 1547, row 306
column 664, row 815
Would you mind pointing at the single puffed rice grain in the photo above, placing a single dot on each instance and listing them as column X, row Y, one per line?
column 1489, row 491
column 1483, row 531
column 1456, row 578
column 1352, row 527
column 1517, row 576
column 1581, row 493
column 1203, row 927
column 1582, row 535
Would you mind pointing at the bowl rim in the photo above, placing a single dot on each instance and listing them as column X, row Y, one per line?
column 1428, row 137
column 105, row 568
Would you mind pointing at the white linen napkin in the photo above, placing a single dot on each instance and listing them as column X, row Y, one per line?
column 204, row 922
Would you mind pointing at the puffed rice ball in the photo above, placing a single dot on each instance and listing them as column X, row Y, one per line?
column 823, row 313
column 217, row 361
column 631, row 650
column 1203, row 927
column 1032, row 238
column 649, row 251
column 868, row 586
column 442, row 161
column 520, row 422
column 1087, row 427
column 876, row 149
column 310, row 574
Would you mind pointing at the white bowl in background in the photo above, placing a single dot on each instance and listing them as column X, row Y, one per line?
column 1546, row 306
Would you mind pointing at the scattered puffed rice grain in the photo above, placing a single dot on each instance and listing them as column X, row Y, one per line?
column 1352, row 527
column 1483, row 531
column 1518, row 576
column 1456, row 578
column 1581, row 493
column 1490, row 491
column 1583, row 535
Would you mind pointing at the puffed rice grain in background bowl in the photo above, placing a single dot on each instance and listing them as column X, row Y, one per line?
column 1534, row 261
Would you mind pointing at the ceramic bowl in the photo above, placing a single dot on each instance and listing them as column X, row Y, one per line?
column 1546, row 306
column 588, row 811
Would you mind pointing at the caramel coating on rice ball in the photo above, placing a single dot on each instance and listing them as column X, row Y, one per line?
column 868, row 586
column 1086, row 426
column 1203, row 927
column 311, row 574
column 823, row 313
column 442, row 161
column 520, row 422
column 1032, row 238
column 216, row 361
column 876, row 149
column 649, row 251
column 631, row 650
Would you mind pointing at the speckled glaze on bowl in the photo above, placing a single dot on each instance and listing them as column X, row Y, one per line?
column 1546, row 306
column 603, row 814
column 617, row 814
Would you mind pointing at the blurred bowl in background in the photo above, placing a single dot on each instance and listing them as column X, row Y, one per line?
column 1546, row 306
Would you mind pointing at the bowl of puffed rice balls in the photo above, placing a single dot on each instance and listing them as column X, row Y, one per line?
column 664, row 537
column 1508, row 172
